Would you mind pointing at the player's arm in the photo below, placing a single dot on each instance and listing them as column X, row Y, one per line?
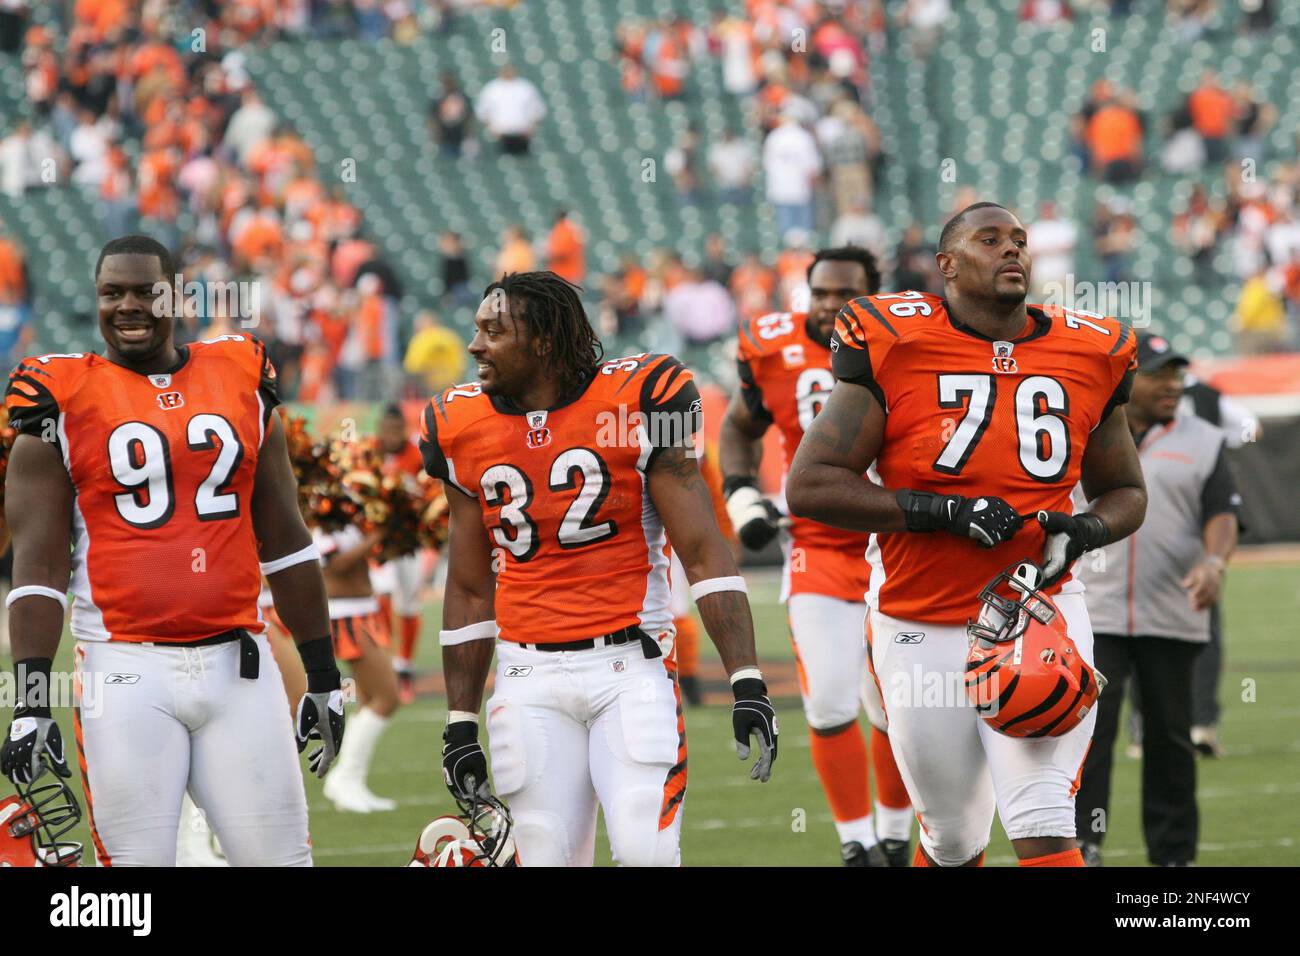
column 740, row 452
column 681, row 497
column 468, row 607
column 1112, row 481
column 292, row 568
column 38, row 510
column 1219, row 505
column 467, row 639
column 826, row 480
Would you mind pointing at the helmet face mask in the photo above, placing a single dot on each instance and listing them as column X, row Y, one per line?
column 35, row 823
column 479, row 837
column 1008, row 603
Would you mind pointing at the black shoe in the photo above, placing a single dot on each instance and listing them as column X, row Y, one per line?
column 1091, row 853
column 896, row 852
column 855, row 854
column 690, row 690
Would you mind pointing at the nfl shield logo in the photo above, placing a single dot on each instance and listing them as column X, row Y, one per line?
column 161, row 381
column 1002, row 360
column 536, row 420
column 618, row 666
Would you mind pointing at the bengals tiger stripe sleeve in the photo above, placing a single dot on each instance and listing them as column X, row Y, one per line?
column 671, row 401
column 748, row 352
column 30, row 400
column 851, row 351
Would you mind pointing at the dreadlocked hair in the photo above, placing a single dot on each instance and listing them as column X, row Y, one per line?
column 553, row 312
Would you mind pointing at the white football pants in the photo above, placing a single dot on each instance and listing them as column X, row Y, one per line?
column 567, row 729
column 956, row 767
column 832, row 655
column 153, row 720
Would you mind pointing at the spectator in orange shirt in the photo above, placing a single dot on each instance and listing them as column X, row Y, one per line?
column 1213, row 110
column 1114, row 137
column 566, row 249
column 516, row 254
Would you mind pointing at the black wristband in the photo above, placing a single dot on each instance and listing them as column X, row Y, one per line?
column 1094, row 534
column 922, row 510
column 736, row 482
column 32, row 681
column 318, row 661
column 749, row 688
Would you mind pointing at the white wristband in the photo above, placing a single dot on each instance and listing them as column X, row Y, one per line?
column 36, row 590
column 309, row 553
column 745, row 673
column 713, row 585
column 460, row 716
column 482, row 631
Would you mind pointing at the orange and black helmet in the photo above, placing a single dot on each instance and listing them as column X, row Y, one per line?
column 1024, row 674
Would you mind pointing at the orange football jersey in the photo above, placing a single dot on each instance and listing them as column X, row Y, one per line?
column 785, row 378
column 564, row 495
column 971, row 416
column 163, row 466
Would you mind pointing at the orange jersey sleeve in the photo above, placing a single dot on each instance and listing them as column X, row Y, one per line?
column 971, row 416
column 785, row 379
column 163, row 467
column 564, row 498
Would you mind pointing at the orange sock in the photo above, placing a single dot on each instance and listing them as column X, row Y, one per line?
column 841, row 763
column 1064, row 858
column 688, row 645
column 410, row 634
column 890, row 791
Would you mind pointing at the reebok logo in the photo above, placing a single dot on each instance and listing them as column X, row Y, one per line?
column 74, row 908
column 909, row 637
column 122, row 679
column 519, row 670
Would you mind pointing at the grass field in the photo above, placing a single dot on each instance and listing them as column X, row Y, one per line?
column 1250, row 800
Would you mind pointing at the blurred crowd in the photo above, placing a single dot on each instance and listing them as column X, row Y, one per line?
column 160, row 123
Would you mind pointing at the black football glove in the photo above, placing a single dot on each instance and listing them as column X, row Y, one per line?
column 320, row 717
column 464, row 764
column 752, row 713
column 1068, row 537
column 33, row 744
column 754, row 517
column 987, row 520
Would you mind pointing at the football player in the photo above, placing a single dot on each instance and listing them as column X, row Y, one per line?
column 155, row 477
column 564, row 474
column 785, row 375
column 397, row 581
column 981, row 413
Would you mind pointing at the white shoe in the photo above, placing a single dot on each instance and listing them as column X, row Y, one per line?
column 380, row 804
column 348, row 795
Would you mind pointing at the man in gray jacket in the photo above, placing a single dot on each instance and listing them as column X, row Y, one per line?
column 1149, row 598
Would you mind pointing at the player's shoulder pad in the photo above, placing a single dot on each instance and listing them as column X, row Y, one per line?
column 666, row 385
column 248, row 353
column 1096, row 333
column 451, row 413
column 40, row 385
column 766, row 334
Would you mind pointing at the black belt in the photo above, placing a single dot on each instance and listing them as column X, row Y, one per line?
column 250, row 659
column 628, row 635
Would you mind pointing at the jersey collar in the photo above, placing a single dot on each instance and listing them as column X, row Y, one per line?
column 183, row 351
column 507, row 407
column 1042, row 325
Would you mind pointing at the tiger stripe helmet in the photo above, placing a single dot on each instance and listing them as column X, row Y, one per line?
column 1024, row 675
